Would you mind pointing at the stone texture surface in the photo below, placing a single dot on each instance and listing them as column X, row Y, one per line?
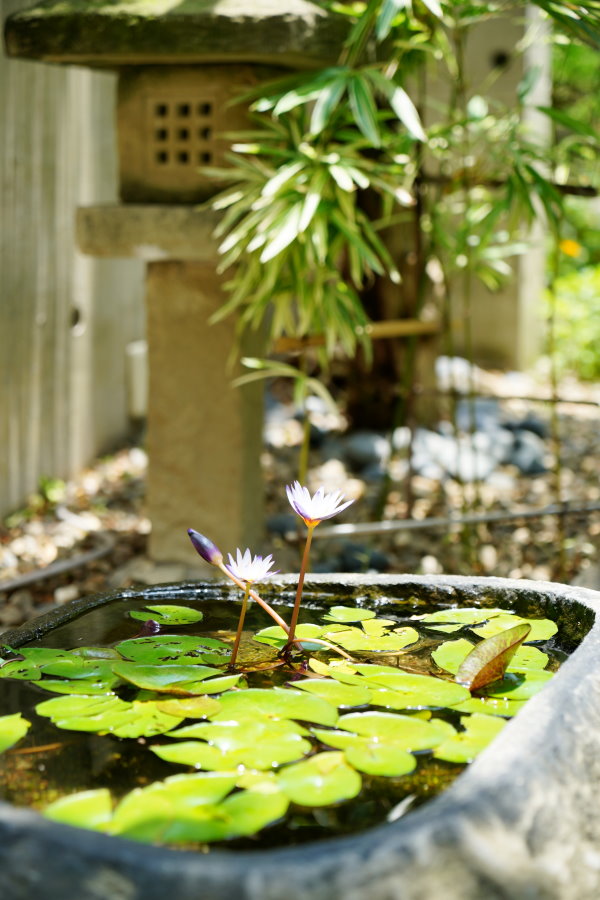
column 204, row 435
column 520, row 824
column 104, row 33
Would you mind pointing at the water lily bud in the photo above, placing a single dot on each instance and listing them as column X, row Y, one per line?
column 205, row 547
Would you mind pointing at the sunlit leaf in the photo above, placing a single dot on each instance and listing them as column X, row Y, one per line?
column 487, row 661
column 321, row 780
column 463, row 747
column 335, row 692
column 107, row 715
column 166, row 614
column 355, row 640
column 519, row 685
column 491, row 706
column 277, row 703
column 275, row 636
column 363, row 108
column 190, row 707
column 348, row 614
column 12, row 729
column 85, row 809
column 180, row 650
column 408, row 732
column 165, row 677
column 541, row 629
column 403, row 690
column 451, row 654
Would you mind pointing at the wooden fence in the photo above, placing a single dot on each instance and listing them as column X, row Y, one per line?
column 65, row 319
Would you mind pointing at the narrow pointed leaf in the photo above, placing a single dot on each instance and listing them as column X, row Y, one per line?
column 488, row 660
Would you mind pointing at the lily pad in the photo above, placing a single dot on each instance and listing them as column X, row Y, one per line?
column 166, row 677
column 167, row 614
column 487, row 661
column 321, row 780
column 355, row 640
column 85, row 809
column 403, row 690
column 190, row 707
column 373, row 758
column 108, row 715
column 491, row 706
column 453, row 619
column 541, row 629
column 275, row 636
column 464, row 746
column 519, row 685
column 180, row 650
column 407, row 732
column 450, row 655
column 12, row 729
column 335, row 692
column 348, row 614
column 277, row 703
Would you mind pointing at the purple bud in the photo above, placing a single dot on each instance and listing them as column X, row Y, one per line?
column 207, row 550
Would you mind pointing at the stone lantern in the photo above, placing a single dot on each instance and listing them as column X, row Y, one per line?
column 179, row 64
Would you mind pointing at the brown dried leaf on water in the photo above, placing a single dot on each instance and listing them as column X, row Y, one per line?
column 488, row 660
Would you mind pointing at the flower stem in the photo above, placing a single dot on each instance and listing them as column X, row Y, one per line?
column 277, row 618
column 303, row 567
column 238, row 636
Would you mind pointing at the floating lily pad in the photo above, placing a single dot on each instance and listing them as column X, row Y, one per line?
column 491, row 706
column 459, row 616
column 464, row 746
column 335, row 692
column 348, row 614
column 277, row 703
column 30, row 668
column 355, row 640
column 256, row 745
column 180, row 650
column 374, row 758
column 85, row 809
column 403, row 690
column 321, row 780
column 541, row 629
column 275, row 636
column 487, row 661
column 377, row 627
column 519, row 685
column 79, row 686
column 450, row 655
column 166, row 614
column 12, row 729
column 407, row 732
column 166, row 677
column 108, row 715
column 190, row 707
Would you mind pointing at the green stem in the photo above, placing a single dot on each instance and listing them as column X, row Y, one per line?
column 303, row 567
column 277, row 618
column 240, row 627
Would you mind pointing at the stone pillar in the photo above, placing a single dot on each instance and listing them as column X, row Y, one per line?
column 204, row 435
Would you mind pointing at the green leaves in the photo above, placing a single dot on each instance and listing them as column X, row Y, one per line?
column 12, row 729
column 166, row 614
column 488, row 660
column 321, row 780
column 479, row 731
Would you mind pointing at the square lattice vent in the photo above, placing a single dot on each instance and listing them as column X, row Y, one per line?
column 170, row 124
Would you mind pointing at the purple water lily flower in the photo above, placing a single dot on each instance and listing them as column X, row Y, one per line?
column 318, row 507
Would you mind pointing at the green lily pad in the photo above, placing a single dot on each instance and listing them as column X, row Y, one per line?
column 108, row 715
column 321, row 780
column 12, row 729
column 179, row 650
column 464, row 746
column 85, row 809
column 276, row 637
column 403, row 690
column 30, row 668
column 458, row 617
column 373, row 758
column 348, row 614
column 79, row 686
column 487, row 661
column 541, row 629
column 407, row 732
column 277, row 703
column 256, row 745
column 166, row 677
column 166, row 614
column 190, row 707
column 335, row 692
column 377, row 627
column 450, row 655
column 518, row 685
column 76, row 667
column 356, row 640
column 491, row 706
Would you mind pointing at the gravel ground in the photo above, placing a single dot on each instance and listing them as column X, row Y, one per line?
column 90, row 534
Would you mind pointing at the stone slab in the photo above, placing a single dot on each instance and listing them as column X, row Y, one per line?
column 295, row 34
column 149, row 232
